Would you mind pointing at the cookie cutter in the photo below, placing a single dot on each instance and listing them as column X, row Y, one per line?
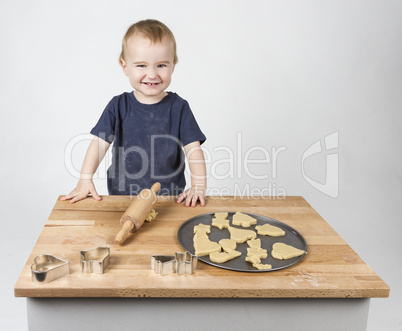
column 163, row 264
column 180, row 263
column 186, row 263
column 47, row 268
column 95, row 260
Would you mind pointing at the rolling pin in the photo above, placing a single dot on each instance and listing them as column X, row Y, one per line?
column 138, row 211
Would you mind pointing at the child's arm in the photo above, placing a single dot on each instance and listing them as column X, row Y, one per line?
column 198, row 172
column 96, row 151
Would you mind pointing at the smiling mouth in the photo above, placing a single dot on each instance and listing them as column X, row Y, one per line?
column 151, row 84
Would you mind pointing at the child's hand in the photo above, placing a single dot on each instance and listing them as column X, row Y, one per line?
column 192, row 195
column 84, row 187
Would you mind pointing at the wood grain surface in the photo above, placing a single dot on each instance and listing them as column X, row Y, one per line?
column 331, row 269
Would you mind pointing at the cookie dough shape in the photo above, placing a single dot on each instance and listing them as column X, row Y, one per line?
column 281, row 251
column 269, row 230
column 202, row 227
column 254, row 243
column 222, row 215
column 253, row 259
column 201, row 234
column 220, row 223
column 220, row 257
column 256, row 262
column 204, row 246
column 243, row 220
column 240, row 235
column 201, row 231
column 228, row 244
column 259, row 252
column 261, row 266
column 255, row 253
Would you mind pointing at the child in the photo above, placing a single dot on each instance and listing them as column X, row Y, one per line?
column 148, row 126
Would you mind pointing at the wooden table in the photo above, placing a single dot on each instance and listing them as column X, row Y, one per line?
column 330, row 270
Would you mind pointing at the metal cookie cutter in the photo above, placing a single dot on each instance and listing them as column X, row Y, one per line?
column 181, row 263
column 163, row 264
column 47, row 268
column 186, row 263
column 95, row 260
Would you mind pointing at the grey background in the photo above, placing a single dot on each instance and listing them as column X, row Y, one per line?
column 275, row 74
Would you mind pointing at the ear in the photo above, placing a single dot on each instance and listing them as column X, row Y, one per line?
column 124, row 66
column 174, row 66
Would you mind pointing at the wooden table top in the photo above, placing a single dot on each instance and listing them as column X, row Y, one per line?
column 331, row 269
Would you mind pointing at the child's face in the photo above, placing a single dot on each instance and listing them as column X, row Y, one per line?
column 149, row 67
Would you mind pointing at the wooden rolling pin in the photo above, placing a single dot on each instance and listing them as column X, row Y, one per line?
column 138, row 211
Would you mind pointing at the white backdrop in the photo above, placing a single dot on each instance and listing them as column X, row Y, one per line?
column 260, row 76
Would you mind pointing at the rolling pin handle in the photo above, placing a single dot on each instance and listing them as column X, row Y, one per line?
column 124, row 232
column 155, row 188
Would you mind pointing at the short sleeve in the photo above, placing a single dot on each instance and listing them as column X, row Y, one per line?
column 189, row 129
column 105, row 128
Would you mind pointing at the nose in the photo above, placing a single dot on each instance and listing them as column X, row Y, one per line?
column 151, row 73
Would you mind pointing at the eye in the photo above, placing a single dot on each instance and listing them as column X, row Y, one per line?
column 161, row 66
column 140, row 65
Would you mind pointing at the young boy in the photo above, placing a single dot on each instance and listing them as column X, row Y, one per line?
column 147, row 126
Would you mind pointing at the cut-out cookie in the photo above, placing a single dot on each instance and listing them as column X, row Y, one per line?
column 222, row 215
column 202, row 227
column 202, row 233
column 204, row 246
column 269, row 230
column 228, row 244
column 256, row 262
column 261, row 266
column 220, row 257
column 281, row 251
column 253, row 259
column 255, row 253
column 259, row 252
column 243, row 220
column 240, row 236
column 254, row 243
column 220, row 223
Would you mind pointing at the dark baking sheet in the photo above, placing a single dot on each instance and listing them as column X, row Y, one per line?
column 291, row 237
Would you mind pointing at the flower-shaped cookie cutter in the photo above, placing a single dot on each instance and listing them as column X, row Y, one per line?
column 95, row 260
column 181, row 263
column 47, row 268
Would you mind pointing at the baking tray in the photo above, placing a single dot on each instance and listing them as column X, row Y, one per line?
column 292, row 237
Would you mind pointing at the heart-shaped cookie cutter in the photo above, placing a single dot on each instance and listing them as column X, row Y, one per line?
column 95, row 260
column 47, row 268
column 181, row 263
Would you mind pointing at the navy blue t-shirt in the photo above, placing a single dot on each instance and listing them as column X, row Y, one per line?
column 147, row 143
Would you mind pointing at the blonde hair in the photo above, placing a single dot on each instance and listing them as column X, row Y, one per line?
column 154, row 30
